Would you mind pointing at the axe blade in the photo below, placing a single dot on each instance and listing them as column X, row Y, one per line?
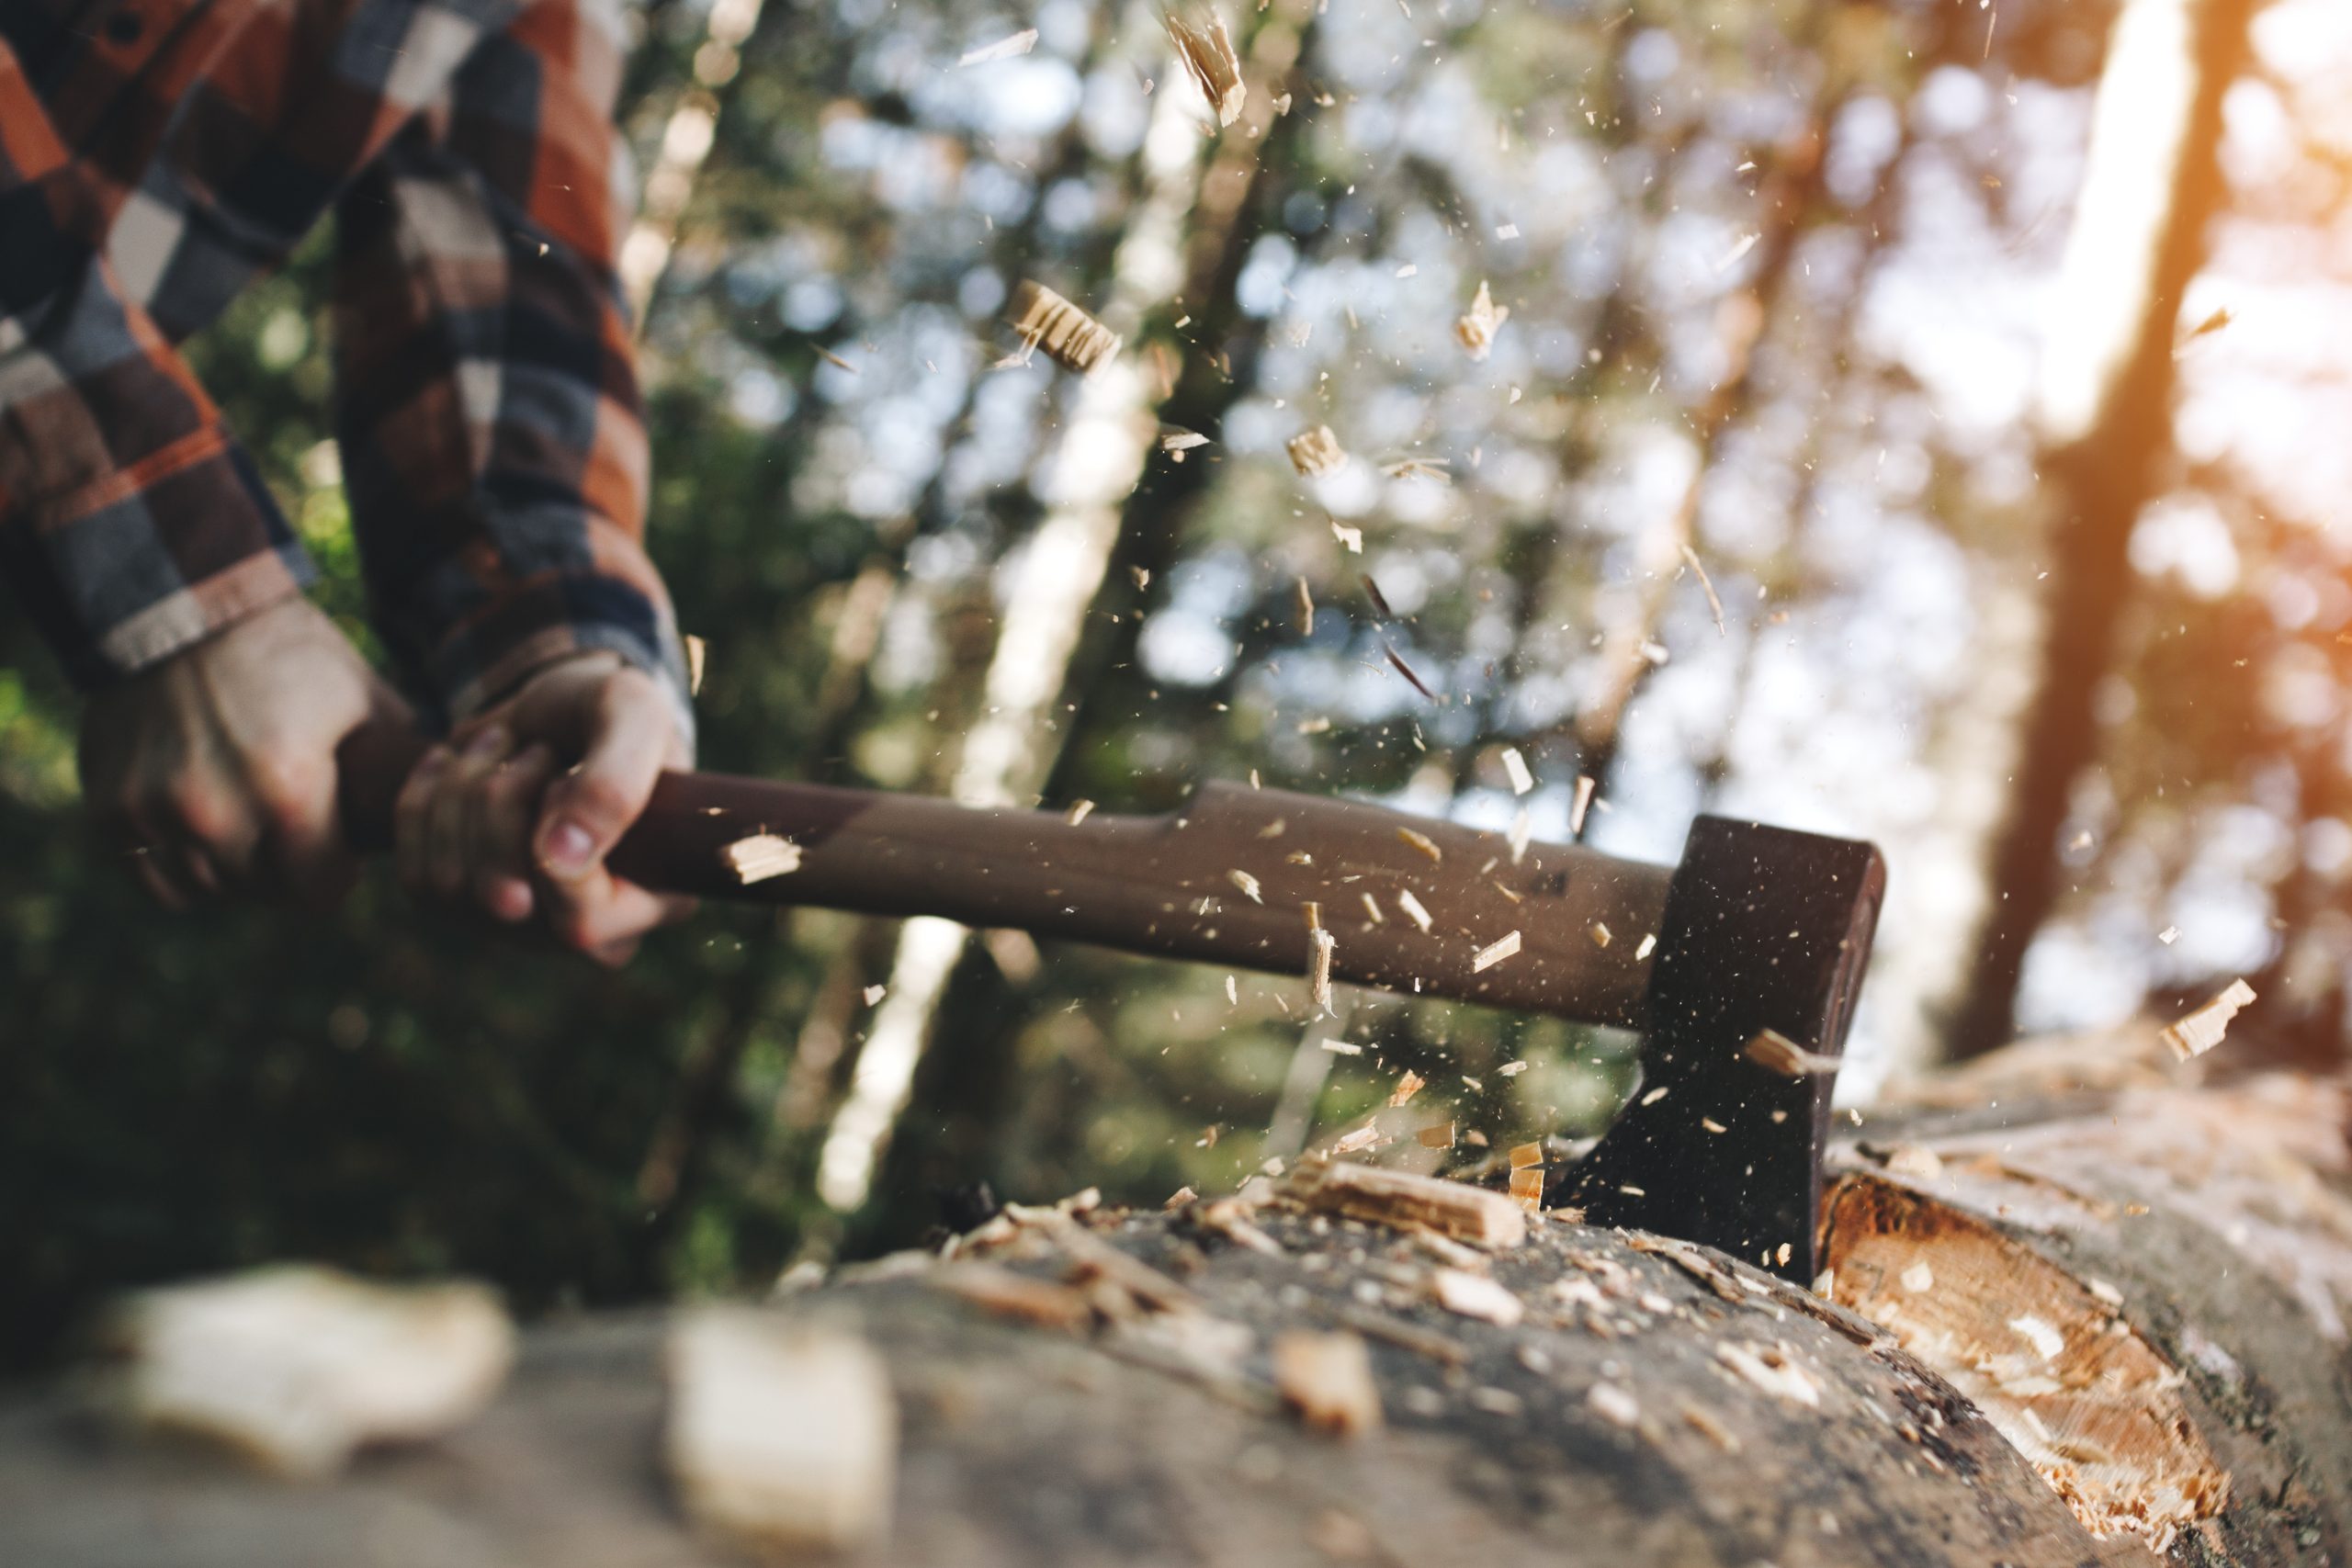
column 1764, row 929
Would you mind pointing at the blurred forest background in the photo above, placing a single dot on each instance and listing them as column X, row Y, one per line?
column 1993, row 357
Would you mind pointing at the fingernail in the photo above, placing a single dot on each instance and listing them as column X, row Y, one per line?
column 490, row 742
column 565, row 849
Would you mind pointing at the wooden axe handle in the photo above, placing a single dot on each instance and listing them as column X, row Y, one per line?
column 1228, row 879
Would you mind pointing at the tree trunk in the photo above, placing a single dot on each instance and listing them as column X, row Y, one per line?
column 2110, row 403
column 2137, row 1293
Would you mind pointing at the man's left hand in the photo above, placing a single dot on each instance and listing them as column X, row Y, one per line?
column 516, row 811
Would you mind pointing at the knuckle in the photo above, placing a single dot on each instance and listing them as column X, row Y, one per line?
column 200, row 809
column 288, row 787
column 598, row 798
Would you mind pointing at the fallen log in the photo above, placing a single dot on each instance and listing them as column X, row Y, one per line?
column 2080, row 1336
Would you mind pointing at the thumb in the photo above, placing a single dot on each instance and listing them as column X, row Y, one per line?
column 586, row 811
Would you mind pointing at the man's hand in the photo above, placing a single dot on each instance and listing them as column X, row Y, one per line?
column 517, row 813
column 215, row 769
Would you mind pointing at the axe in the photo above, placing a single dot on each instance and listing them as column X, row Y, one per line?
column 1758, row 928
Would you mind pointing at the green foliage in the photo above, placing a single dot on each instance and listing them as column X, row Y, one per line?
column 410, row 1096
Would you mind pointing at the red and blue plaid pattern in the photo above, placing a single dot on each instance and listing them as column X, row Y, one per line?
column 156, row 156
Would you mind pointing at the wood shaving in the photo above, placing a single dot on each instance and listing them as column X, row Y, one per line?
column 1515, row 768
column 1306, row 609
column 1494, row 952
column 1371, row 909
column 1440, row 1136
column 784, row 1436
column 2203, row 1029
column 1475, row 330
column 761, row 856
column 1411, row 1084
column 1525, row 1155
column 1317, row 452
column 1422, row 842
column 298, row 1367
column 874, row 994
column 1776, row 1053
column 1206, row 50
column 1351, row 539
column 1586, row 785
column 1074, row 339
column 1912, row 1161
column 1247, row 882
column 1179, row 442
column 1412, row 907
column 696, row 651
column 1022, row 1297
column 2047, row 1342
column 1714, row 1431
column 1406, row 1201
column 1327, row 1379
column 1475, row 1295
column 1420, row 468
column 1511, row 1069
column 1600, row 933
column 1771, row 1368
column 1527, row 1188
column 1647, row 946
column 1003, row 48
column 1613, row 1404
column 1379, row 600
column 1522, row 828
column 1079, row 811
column 1229, row 1217
column 1320, row 946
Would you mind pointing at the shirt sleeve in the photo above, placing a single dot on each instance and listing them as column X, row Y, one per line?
column 131, row 524
column 493, row 439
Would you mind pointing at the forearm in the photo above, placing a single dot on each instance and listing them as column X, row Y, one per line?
column 131, row 524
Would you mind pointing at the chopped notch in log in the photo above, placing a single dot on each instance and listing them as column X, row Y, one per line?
column 2089, row 1403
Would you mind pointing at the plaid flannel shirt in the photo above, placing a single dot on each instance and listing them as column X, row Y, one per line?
column 156, row 156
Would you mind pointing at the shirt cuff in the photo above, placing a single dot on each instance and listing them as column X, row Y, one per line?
column 552, row 616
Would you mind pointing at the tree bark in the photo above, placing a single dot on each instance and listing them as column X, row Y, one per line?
column 2112, row 1324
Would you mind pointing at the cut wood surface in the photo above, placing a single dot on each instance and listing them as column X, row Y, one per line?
column 2098, row 1333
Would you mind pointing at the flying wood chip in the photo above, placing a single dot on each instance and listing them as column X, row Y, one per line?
column 1073, row 338
column 1317, row 451
column 1776, row 1053
column 1495, row 953
column 1319, row 966
column 1586, row 785
column 1476, row 330
column 2202, row 1030
column 1206, row 50
column 761, row 856
column 1003, row 48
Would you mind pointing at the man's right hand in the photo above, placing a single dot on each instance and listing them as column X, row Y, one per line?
column 215, row 769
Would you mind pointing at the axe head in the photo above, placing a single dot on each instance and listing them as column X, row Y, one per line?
column 1764, row 929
